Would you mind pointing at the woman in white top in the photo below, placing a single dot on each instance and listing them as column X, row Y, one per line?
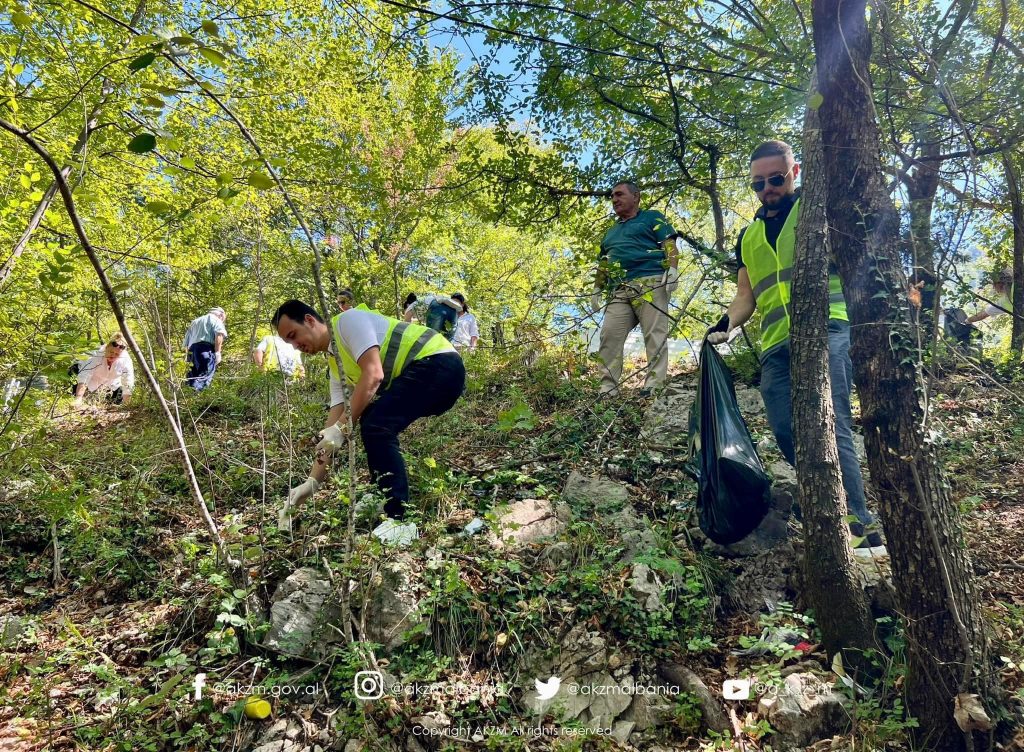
column 466, row 330
column 109, row 369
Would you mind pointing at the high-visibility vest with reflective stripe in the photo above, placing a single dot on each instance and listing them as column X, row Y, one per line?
column 404, row 343
column 270, row 359
column 771, row 271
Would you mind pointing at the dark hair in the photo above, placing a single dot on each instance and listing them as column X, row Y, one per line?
column 296, row 310
column 1003, row 278
column 409, row 300
column 772, row 149
column 462, row 299
column 633, row 187
column 346, row 294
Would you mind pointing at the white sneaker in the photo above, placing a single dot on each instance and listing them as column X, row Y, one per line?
column 396, row 533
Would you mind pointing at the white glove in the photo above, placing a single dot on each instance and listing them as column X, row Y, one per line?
column 717, row 338
column 719, row 333
column 303, row 491
column 218, row 357
column 670, row 279
column 333, row 437
column 596, row 301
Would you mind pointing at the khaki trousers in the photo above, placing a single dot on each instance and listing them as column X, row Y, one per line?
column 641, row 301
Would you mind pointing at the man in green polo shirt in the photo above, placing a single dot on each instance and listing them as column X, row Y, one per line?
column 764, row 253
column 638, row 265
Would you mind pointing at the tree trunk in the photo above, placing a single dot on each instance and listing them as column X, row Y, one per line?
column 946, row 643
column 922, row 187
column 1017, row 213
column 840, row 605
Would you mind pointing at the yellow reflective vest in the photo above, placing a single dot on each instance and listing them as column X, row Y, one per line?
column 403, row 344
column 270, row 359
column 771, row 271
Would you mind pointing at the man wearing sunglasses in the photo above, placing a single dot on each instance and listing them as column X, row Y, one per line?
column 764, row 254
column 108, row 370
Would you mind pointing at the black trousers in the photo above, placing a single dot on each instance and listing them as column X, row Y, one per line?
column 430, row 386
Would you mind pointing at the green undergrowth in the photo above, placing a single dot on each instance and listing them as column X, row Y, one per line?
column 145, row 605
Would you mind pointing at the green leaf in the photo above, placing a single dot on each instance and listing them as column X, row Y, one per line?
column 24, row 180
column 161, row 694
column 142, row 143
column 213, row 56
column 158, row 207
column 226, row 193
column 816, row 100
column 225, row 178
column 260, row 181
column 188, row 163
column 17, row 69
column 211, row 28
column 21, row 19
column 142, row 61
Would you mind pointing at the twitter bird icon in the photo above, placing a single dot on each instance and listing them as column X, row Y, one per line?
column 547, row 690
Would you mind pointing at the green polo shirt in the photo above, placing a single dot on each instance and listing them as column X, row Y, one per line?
column 633, row 248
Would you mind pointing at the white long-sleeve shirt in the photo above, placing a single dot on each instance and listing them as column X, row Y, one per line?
column 466, row 330
column 96, row 374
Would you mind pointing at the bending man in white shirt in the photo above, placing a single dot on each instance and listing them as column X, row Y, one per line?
column 398, row 372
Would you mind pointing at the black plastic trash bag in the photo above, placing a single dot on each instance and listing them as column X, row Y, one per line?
column 734, row 490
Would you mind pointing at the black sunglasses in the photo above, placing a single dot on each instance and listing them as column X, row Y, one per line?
column 776, row 180
column 118, row 345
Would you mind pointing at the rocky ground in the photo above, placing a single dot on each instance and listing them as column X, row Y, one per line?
column 588, row 610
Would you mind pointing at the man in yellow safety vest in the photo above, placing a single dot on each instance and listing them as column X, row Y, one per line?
column 397, row 372
column 273, row 354
column 764, row 254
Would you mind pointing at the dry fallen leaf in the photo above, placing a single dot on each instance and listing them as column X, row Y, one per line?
column 969, row 714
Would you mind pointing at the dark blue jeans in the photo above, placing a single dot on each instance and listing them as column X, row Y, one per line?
column 427, row 387
column 442, row 318
column 775, row 391
column 202, row 363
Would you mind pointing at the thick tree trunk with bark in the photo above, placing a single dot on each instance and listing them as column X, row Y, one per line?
column 947, row 651
column 1013, row 189
column 840, row 604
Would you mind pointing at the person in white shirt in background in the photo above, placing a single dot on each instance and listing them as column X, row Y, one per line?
column 274, row 354
column 110, row 370
column 1003, row 285
column 467, row 333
